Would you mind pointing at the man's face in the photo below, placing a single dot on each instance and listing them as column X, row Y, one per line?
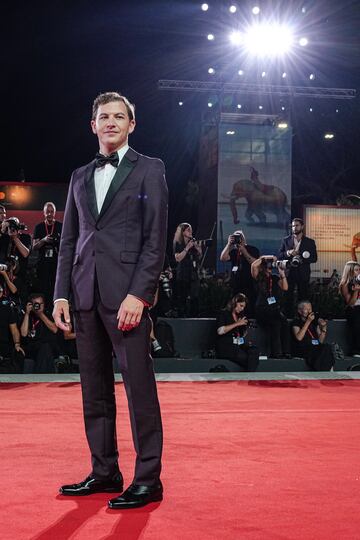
column 112, row 125
column 2, row 214
column 297, row 227
column 49, row 213
column 305, row 310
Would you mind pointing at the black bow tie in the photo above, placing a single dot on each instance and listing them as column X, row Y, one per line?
column 102, row 160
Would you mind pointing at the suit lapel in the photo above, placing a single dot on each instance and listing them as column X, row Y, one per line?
column 124, row 169
column 90, row 190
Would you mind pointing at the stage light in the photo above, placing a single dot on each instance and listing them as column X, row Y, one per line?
column 263, row 74
column 282, row 125
column 210, row 104
column 211, row 37
column 204, row 7
column 336, row 110
column 329, row 136
column 303, row 10
column 260, row 107
column 303, row 41
column 181, row 103
column 240, row 72
column 232, row 9
column 236, row 38
column 284, row 75
column 211, row 70
column 311, row 110
column 283, row 108
column 256, row 10
column 230, row 132
column 239, row 105
column 268, row 40
column 312, row 76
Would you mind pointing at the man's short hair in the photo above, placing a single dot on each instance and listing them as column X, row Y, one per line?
column 299, row 220
column 303, row 303
column 36, row 295
column 108, row 97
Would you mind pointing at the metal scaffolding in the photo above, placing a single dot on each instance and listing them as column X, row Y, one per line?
column 258, row 89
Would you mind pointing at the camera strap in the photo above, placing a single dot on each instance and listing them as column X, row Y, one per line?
column 47, row 228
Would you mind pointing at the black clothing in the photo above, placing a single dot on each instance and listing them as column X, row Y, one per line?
column 353, row 318
column 298, row 277
column 187, row 281
column 7, row 350
column 7, row 317
column 41, row 345
column 269, row 315
column 318, row 356
column 241, row 280
column 47, row 258
column 233, row 345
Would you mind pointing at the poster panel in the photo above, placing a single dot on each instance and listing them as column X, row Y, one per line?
column 336, row 231
column 254, row 185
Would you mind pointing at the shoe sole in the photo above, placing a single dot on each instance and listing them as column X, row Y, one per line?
column 156, row 498
column 82, row 494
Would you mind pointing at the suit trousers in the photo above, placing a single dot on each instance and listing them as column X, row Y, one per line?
column 97, row 337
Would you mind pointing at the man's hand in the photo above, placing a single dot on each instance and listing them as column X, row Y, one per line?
column 61, row 315
column 310, row 317
column 19, row 349
column 28, row 308
column 129, row 314
column 242, row 322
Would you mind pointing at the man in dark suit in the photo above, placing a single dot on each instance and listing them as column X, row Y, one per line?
column 111, row 254
column 300, row 250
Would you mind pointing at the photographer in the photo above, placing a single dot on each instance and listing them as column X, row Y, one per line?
column 14, row 242
column 309, row 333
column 350, row 291
column 188, row 253
column 12, row 354
column 241, row 256
column 231, row 335
column 38, row 332
column 300, row 250
column 46, row 242
column 267, row 307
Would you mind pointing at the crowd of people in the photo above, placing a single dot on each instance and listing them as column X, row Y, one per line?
column 272, row 290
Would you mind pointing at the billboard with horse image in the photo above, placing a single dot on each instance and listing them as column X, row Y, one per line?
column 254, row 184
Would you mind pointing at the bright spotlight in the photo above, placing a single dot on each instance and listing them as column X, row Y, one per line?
column 329, row 136
column 336, row 110
column 210, row 104
column 240, row 72
column 283, row 108
column 236, row 38
column 311, row 110
column 230, row 132
column 268, row 40
column 239, row 105
column 211, row 70
column 232, row 9
column 260, row 107
column 282, row 125
column 284, row 75
column 211, row 37
column 263, row 74
column 312, row 76
column 204, row 7
column 256, row 10
column 303, row 41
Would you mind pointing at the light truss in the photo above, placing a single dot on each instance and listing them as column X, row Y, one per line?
column 259, row 89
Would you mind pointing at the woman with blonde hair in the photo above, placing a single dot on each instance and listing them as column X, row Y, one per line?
column 187, row 254
column 350, row 291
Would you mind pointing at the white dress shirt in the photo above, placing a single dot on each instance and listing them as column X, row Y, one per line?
column 103, row 177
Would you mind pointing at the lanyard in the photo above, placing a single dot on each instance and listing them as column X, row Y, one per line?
column 311, row 334
column 47, row 228
column 270, row 285
column 34, row 324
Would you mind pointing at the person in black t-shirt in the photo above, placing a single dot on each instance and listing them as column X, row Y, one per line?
column 46, row 242
column 10, row 347
column 241, row 255
column 309, row 335
column 38, row 332
column 188, row 255
column 349, row 288
column 267, row 307
column 231, row 335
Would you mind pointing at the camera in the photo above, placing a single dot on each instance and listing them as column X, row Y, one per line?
column 36, row 306
column 165, row 284
column 355, row 281
column 54, row 239
column 296, row 261
column 203, row 243
column 64, row 364
column 238, row 239
column 283, row 265
column 14, row 225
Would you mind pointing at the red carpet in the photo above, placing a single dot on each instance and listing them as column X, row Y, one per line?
column 243, row 460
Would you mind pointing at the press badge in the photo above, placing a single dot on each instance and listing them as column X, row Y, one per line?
column 315, row 342
column 237, row 340
column 271, row 300
column 235, row 268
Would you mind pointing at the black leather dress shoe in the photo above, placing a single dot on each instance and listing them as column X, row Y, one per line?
column 136, row 496
column 90, row 485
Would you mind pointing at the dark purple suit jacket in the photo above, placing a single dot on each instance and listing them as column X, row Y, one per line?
column 124, row 245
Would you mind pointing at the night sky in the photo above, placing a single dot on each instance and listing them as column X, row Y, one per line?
column 57, row 56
